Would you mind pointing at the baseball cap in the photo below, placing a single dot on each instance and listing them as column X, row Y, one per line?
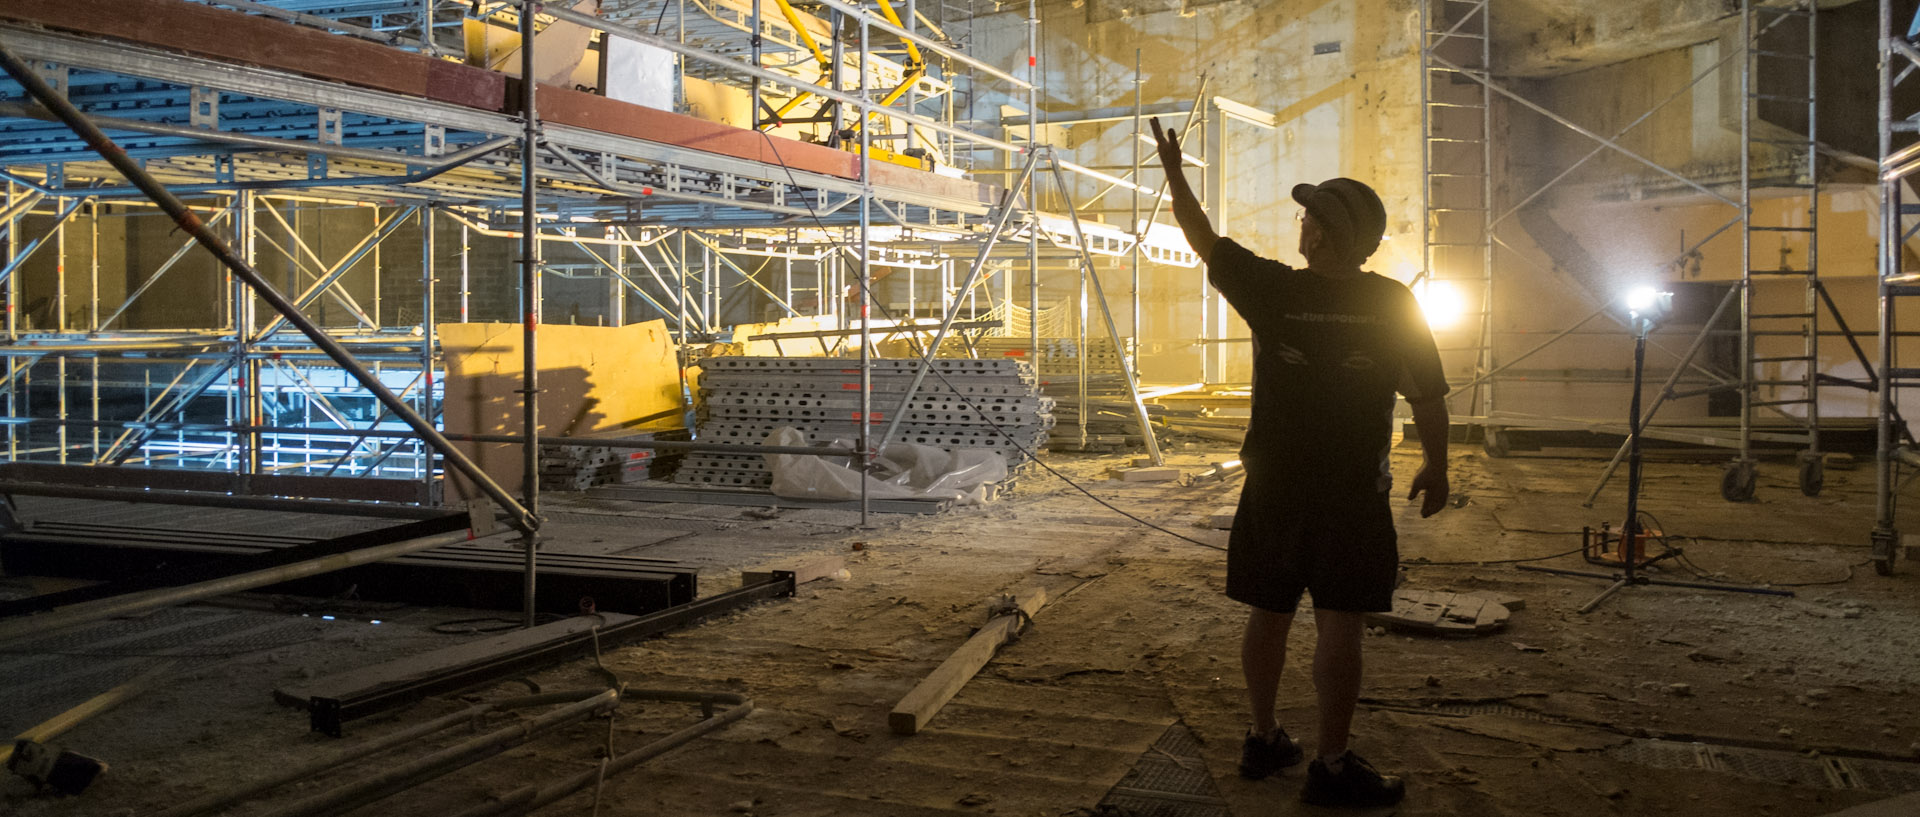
column 1349, row 211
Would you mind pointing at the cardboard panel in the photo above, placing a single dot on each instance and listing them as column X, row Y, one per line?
column 592, row 379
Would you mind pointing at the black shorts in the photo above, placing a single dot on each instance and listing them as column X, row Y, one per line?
column 1343, row 550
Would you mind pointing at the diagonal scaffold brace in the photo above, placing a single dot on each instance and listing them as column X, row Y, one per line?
column 72, row 117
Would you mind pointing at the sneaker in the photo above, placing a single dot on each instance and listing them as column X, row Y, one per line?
column 1261, row 757
column 1356, row 785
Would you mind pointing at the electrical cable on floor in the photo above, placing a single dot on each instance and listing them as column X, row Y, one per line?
column 1426, row 563
column 1701, row 573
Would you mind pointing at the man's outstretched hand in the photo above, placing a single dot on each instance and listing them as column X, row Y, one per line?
column 1434, row 483
column 1167, row 143
column 1186, row 208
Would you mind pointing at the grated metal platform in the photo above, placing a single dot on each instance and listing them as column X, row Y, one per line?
column 1810, row 770
column 1169, row 780
column 44, row 677
column 1774, row 765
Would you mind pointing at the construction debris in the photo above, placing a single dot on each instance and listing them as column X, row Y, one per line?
column 994, row 405
column 1438, row 613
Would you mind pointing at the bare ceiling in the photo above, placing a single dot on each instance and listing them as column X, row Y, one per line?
column 1541, row 38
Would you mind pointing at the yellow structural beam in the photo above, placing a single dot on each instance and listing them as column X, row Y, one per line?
column 793, row 19
column 914, row 60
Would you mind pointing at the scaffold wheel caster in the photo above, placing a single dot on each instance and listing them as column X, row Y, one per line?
column 1813, row 475
column 1736, row 485
column 1885, row 547
column 1495, row 443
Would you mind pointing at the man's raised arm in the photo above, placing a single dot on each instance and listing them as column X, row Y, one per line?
column 1186, row 207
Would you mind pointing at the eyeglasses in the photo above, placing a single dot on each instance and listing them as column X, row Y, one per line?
column 1299, row 216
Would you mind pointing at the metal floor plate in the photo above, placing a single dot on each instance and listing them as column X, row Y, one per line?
column 39, row 679
column 1773, row 765
column 1169, row 780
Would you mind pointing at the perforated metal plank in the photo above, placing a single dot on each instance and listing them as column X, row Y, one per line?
column 1169, row 780
column 1791, row 768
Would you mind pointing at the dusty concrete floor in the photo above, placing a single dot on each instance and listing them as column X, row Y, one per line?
column 1541, row 719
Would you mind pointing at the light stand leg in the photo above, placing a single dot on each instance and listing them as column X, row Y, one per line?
column 1605, row 594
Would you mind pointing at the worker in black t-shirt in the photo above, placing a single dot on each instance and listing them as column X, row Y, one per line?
column 1333, row 344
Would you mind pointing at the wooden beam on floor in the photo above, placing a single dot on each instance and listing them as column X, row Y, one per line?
column 912, row 713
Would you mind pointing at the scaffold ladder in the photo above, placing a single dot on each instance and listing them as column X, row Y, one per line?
column 1779, row 344
column 1899, row 62
column 1457, row 185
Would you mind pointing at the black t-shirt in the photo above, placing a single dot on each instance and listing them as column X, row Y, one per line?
column 1331, row 354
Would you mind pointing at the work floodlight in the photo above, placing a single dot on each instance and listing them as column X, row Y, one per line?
column 1647, row 307
column 1441, row 302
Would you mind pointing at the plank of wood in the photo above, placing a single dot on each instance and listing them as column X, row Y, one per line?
column 1146, row 474
column 1222, row 518
column 804, row 569
column 933, row 692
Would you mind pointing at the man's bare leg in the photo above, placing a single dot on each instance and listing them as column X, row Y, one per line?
column 1263, row 654
column 1336, row 676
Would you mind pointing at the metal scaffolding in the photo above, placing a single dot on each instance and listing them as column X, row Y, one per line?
column 1770, row 379
column 380, row 213
column 1456, row 161
column 1780, row 35
column 1899, row 60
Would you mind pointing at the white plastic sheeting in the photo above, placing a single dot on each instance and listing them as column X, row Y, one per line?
column 901, row 471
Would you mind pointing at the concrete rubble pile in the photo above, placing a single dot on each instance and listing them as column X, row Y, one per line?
column 993, row 405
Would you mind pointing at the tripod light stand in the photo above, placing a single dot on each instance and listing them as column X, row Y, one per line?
column 1645, row 309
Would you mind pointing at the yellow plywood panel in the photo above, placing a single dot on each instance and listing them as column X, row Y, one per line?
column 788, row 347
column 593, row 380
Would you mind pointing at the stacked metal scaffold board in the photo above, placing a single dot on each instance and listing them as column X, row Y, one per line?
column 579, row 466
column 1111, row 423
column 962, row 404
